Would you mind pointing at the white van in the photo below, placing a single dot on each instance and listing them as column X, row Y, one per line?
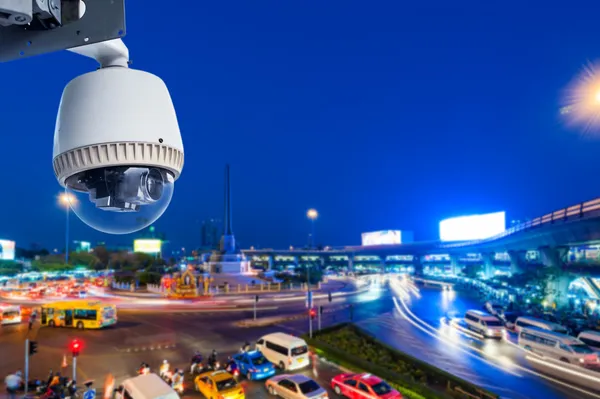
column 284, row 350
column 484, row 324
column 528, row 322
column 10, row 314
column 590, row 338
column 557, row 346
column 149, row 386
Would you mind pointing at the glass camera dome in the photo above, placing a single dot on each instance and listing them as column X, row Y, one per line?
column 121, row 199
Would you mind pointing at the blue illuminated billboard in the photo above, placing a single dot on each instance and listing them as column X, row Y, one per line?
column 473, row 227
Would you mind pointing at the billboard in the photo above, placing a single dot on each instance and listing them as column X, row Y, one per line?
column 472, row 227
column 147, row 246
column 386, row 237
column 7, row 250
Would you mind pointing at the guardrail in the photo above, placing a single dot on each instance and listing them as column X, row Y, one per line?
column 575, row 212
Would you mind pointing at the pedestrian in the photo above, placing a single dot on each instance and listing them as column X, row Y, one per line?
column 13, row 383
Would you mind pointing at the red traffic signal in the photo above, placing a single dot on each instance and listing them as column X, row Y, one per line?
column 312, row 313
column 75, row 347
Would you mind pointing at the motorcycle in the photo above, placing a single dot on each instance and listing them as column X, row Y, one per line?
column 232, row 368
column 167, row 376
column 196, row 364
column 179, row 387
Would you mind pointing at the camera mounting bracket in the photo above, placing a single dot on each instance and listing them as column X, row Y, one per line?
column 108, row 54
column 103, row 20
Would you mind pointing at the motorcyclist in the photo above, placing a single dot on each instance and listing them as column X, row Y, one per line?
column 164, row 368
column 245, row 348
column 71, row 388
column 212, row 359
column 144, row 369
column 196, row 361
column 230, row 365
column 55, row 380
column 177, row 380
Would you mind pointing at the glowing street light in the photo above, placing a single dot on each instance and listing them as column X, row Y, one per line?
column 67, row 200
column 312, row 214
column 582, row 100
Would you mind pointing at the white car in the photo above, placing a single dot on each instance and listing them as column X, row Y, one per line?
column 296, row 386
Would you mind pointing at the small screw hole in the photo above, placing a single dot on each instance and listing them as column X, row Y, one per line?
column 160, row 140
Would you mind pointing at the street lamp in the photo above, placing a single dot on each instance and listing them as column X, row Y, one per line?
column 312, row 214
column 67, row 200
column 582, row 100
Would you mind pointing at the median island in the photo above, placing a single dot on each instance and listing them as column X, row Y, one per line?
column 356, row 350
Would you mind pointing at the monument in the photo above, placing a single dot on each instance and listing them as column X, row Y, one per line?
column 228, row 258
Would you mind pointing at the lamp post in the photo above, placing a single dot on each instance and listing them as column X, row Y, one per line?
column 67, row 200
column 312, row 214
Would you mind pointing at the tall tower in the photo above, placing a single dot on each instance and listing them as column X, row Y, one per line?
column 228, row 259
column 227, row 241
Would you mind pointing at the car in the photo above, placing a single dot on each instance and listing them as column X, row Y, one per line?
column 295, row 386
column 362, row 386
column 219, row 384
column 254, row 365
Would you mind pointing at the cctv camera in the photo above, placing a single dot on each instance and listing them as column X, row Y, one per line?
column 117, row 144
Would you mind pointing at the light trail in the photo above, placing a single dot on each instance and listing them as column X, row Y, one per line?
column 517, row 366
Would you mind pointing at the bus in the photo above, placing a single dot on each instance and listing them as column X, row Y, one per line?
column 10, row 314
column 80, row 314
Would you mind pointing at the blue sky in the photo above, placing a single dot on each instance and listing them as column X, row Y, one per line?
column 390, row 115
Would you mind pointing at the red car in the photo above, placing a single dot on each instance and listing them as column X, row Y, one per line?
column 362, row 386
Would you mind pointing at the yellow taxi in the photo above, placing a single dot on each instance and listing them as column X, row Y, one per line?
column 219, row 385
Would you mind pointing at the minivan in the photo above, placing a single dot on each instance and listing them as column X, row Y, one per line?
column 285, row 351
column 558, row 346
column 484, row 324
column 524, row 322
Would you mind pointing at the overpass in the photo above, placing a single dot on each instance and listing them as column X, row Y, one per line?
column 550, row 236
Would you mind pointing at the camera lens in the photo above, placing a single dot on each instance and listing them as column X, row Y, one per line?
column 121, row 199
column 152, row 184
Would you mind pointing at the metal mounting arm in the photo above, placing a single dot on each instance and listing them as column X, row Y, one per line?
column 109, row 53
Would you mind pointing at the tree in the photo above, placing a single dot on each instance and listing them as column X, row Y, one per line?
column 86, row 259
column 102, row 254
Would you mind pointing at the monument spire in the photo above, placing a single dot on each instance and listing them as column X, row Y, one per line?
column 229, row 258
column 227, row 230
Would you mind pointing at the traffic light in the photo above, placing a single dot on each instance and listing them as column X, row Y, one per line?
column 329, row 296
column 32, row 348
column 321, row 309
column 312, row 313
column 256, row 299
column 75, row 347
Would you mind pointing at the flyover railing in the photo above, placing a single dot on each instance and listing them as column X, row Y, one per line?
column 575, row 212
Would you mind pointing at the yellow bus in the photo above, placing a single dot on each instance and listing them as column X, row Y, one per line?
column 80, row 314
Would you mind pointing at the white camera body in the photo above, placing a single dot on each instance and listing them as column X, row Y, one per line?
column 116, row 116
column 117, row 144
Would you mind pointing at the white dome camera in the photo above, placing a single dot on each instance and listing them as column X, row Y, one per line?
column 117, row 144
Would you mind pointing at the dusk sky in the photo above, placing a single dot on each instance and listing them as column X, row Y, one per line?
column 385, row 115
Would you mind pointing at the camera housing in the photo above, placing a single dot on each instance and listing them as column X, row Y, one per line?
column 117, row 144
